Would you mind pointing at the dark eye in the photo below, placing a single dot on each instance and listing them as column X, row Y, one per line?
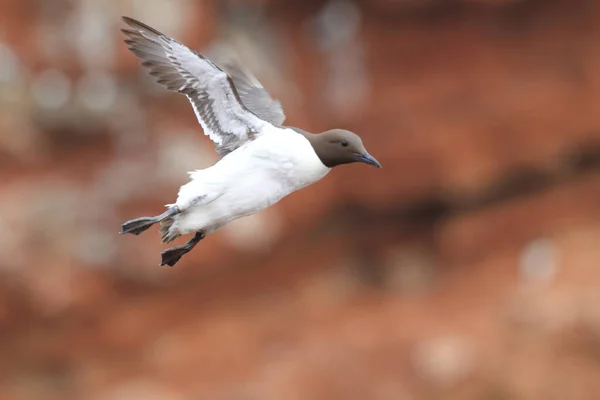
column 344, row 144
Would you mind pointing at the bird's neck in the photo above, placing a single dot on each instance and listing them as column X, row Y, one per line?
column 307, row 135
column 313, row 139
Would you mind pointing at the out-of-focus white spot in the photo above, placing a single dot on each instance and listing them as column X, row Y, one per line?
column 53, row 202
column 122, row 179
column 89, row 32
column 97, row 90
column 95, row 247
column 51, row 89
column 335, row 31
column 539, row 261
column 346, row 88
column 337, row 24
column 255, row 232
column 170, row 13
column 410, row 270
column 129, row 127
column 10, row 245
column 9, row 64
column 27, row 144
column 140, row 389
column 180, row 152
column 444, row 360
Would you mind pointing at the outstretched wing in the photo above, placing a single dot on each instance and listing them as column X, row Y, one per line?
column 217, row 104
column 253, row 94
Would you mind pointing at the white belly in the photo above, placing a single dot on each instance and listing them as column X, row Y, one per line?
column 247, row 181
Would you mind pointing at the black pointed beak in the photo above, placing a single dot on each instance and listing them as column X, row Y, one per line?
column 367, row 159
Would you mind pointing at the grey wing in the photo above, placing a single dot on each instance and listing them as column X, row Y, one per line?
column 217, row 104
column 253, row 94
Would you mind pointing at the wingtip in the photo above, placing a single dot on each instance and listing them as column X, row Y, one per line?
column 139, row 26
column 128, row 20
column 132, row 23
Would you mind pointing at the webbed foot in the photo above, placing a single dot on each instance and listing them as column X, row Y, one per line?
column 139, row 225
column 172, row 255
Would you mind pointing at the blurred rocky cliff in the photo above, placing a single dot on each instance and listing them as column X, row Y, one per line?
column 467, row 268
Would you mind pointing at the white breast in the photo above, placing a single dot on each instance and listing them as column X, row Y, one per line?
column 291, row 158
column 248, row 180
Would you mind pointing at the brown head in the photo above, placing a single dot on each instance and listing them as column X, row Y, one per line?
column 339, row 146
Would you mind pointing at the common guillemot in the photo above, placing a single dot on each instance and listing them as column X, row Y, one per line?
column 262, row 160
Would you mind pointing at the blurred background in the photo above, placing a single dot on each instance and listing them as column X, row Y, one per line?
column 466, row 268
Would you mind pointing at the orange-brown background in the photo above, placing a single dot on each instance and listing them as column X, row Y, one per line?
column 467, row 268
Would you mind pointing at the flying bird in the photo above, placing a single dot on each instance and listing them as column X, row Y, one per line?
column 262, row 161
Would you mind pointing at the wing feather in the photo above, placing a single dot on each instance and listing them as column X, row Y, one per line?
column 223, row 116
column 252, row 93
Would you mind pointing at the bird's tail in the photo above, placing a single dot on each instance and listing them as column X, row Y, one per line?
column 167, row 231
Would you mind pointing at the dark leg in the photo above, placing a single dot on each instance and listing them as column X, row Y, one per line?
column 139, row 225
column 172, row 255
